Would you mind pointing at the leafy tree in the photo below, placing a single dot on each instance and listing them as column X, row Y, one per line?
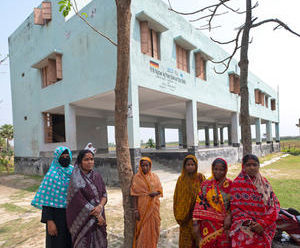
column 7, row 132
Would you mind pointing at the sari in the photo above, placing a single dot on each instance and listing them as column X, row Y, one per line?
column 147, row 229
column 212, row 206
column 252, row 199
column 84, row 194
column 186, row 190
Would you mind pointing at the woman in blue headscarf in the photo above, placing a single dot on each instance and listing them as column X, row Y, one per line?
column 51, row 198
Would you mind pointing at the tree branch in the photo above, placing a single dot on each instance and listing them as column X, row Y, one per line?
column 75, row 9
column 280, row 24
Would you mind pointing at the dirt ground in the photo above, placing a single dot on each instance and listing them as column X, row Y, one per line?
column 20, row 224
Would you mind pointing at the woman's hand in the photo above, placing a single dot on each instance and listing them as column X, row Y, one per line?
column 52, row 230
column 101, row 220
column 227, row 222
column 257, row 228
column 153, row 194
column 196, row 231
column 97, row 210
column 137, row 215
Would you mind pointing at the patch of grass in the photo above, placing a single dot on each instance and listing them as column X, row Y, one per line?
column 15, row 232
column 287, row 192
column 284, row 176
column 32, row 188
column 10, row 207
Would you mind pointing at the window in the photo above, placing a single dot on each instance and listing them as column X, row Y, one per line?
column 182, row 58
column 149, row 40
column 262, row 98
column 267, row 101
column 273, row 104
column 54, row 128
column 200, row 66
column 234, row 83
column 43, row 15
column 52, row 71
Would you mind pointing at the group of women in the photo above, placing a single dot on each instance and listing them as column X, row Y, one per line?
column 218, row 212
column 214, row 212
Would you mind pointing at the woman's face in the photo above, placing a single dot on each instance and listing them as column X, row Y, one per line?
column 190, row 166
column 251, row 167
column 87, row 163
column 219, row 171
column 145, row 165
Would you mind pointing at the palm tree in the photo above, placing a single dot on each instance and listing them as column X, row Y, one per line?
column 7, row 132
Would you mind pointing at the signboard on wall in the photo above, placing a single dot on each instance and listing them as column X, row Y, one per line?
column 170, row 77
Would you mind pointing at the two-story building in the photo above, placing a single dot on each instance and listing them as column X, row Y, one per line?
column 63, row 78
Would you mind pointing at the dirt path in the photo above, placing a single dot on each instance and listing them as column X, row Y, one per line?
column 20, row 222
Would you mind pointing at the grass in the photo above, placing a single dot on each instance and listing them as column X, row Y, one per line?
column 10, row 207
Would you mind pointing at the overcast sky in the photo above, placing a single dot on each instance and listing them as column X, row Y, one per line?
column 273, row 55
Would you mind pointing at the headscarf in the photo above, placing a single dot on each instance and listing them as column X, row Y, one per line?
column 53, row 189
column 187, row 188
column 90, row 147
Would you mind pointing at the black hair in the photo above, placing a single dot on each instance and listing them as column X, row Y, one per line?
column 250, row 156
column 218, row 160
column 81, row 156
column 65, row 152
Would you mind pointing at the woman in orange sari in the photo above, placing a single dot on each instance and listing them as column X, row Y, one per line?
column 187, row 188
column 146, row 190
column 212, row 209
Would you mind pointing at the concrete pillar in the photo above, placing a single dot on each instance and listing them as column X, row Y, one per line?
column 229, row 135
column 70, row 126
column 183, row 129
column 180, row 140
column 222, row 135
column 191, row 125
column 216, row 135
column 160, row 136
column 277, row 132
column 269, row 132
column 133, row 122
column 235, row 129
column 258, row 131
column 207, row 141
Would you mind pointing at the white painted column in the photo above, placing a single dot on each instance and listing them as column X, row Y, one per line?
column 277, row 134
column 133, row 119
column 133, row 126
column 207, row 141
column 191, row 124
column 258, row 131
column 70, row 126
column 235, row 129
column 269, row 132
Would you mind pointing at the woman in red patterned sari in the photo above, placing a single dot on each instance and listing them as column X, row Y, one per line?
column 212, row 211
column 254, row 207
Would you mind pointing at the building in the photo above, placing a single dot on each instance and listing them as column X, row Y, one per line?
column 63, row 78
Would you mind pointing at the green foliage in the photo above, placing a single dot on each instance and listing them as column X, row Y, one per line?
column 291, row 150
column 7, row 131
column 150, row 143
column 65, row 7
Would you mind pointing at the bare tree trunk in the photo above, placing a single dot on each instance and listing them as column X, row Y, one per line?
column 243, row 64
column 121, row 103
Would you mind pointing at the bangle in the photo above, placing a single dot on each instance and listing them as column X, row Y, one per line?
column 136, row 210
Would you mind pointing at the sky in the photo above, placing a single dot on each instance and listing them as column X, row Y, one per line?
column 273, row 55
